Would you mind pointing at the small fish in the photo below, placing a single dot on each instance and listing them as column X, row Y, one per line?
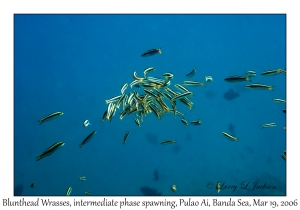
column 87, row 139
column 193, row 83
column 32, row 185
column 82, row 178
column 279, row 100
column 174, row 188
column 238, row 79
column 192, row 73
column 137, row 122
column 218, row 187
column 50, row 150
column 184, row 121
column 50, row 117
column 174, row 108
column 152, row 52
column 86, row 123
column 136, row 77
column 208, row 79
column 197, row 122
column 148, row 70
column 179, row 96
column 230, row 137
column 104, row 115
column 271, row 72
column 116, row 98
column 284, row 155
column 260, row 87
column 251, row 73
column 168, row 142
column 284, row 111
column 168, row 75
column 87, row 193
column 181, row 88
column 124, row 88
column 268, row 125
column 125, row 137
column 69, row 191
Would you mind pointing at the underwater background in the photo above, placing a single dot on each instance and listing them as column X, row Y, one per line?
column 73, row 63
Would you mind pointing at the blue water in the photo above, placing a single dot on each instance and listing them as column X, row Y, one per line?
column 73, row 63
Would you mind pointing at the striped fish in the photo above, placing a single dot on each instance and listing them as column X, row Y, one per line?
column 168, row 142
column 192, row 73
column 87, row 139
column 69, row 191
column 50, row 150
column 271, row 72
column 230, row 137
column 125, row 137
column 151, row 52
column 50, row 117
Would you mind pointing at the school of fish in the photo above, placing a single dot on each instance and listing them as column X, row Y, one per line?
column 160, row 98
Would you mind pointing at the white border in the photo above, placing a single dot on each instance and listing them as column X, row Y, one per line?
column 8, row 8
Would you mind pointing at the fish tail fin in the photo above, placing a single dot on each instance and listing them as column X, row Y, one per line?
column 248, row 78
column 38, row 158
column 271, row 88
column 40, row 121
column 80, row 145
column 159, row 51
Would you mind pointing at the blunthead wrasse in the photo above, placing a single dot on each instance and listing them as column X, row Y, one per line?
column 50, row 150
column 196, row 122
column 87, row 139
column 218, row 187
column 136, row 77
column 192, row 73
column 148, row 70
column 271, row 72
column 238, row 79
column 168, row 142
column 168, row 75
column 174, row 188
column 114, row 99
column 125, row 137
column 208, row 79
column 152, row 52
column 184, row 121
column 124, row 88
column 86, row 123
column 277, row 100
column 179, row 96
column 69, row 190
column 50, row 117
column 104, row 116
column 82, row 178
column 260, row 87
column 230, row 137
column 137, row 122
column 283, row 156
column 268, row 125
column 193, row 83
column 32, row 185
column 135, row 83
column 181, row 88
column 251, row 73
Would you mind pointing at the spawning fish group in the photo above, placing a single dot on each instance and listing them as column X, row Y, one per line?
column 158, row 97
